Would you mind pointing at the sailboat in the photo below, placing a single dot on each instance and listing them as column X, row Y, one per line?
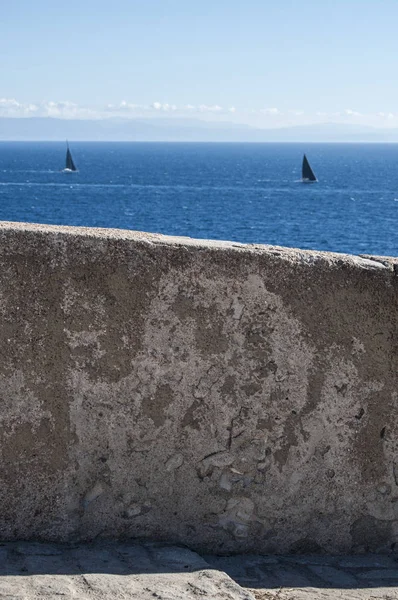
column 70, row 166
column 308, row 175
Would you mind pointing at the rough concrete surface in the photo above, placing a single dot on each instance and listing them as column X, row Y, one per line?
column 313, row 577
column 144, row 571
column 225, row 396
column 111, row 572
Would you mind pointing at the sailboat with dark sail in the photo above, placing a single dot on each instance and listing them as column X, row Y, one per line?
column 307, row 174
column 70, row 166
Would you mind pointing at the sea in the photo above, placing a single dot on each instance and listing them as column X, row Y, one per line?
column 224, row 191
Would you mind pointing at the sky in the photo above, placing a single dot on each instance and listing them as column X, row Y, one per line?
column 258, row 62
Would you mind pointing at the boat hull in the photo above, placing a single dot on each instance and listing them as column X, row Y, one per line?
column 68, row 171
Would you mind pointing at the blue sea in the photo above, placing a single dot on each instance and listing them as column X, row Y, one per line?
column 241, row 192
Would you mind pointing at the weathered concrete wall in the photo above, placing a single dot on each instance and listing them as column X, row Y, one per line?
column 225, row 396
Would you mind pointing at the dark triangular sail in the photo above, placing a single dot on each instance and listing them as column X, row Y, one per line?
column 69, row 161
column 307, row 172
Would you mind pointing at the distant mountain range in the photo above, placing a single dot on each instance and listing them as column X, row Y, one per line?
column 181, row 130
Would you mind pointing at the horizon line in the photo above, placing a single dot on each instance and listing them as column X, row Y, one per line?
column 314, row 142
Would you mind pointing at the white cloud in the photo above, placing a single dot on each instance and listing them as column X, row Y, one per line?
column 157, row 107
column 270, row 111
column 165, row 107
column 66, row 109
column 214, row 108
column 124, row 106
column 352, row 113
column 9, row 107
column 8, row 103
column 384, row 115
column 128, row 105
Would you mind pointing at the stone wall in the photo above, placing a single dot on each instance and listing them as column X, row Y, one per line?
column 230, row 397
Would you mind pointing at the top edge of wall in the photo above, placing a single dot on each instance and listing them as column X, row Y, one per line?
column 364, row 261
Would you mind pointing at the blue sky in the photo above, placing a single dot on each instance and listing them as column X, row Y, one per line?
column 258, row 62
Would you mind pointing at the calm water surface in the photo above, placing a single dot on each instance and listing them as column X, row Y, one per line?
column 240, row 192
